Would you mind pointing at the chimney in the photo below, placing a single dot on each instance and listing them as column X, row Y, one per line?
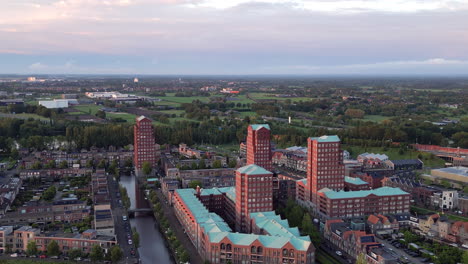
column 198, row 190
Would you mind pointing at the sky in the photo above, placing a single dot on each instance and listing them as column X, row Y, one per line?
column 306, row 37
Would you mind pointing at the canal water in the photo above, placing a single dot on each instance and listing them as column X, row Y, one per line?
column 152, row 248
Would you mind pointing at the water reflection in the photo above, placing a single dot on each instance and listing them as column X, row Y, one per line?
column 152, row 248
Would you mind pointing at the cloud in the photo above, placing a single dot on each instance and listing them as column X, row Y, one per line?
column 387, row 67
column 37, row 66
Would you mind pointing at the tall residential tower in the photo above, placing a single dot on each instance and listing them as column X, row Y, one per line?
column 144, row 144
column 325, row 168
column 259, row 146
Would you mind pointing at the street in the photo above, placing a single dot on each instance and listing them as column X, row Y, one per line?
column 122, row 228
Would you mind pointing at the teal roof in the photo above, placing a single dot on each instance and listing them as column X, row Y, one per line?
column 253, row 169
column 383, row 191
column 210, row 221
column 326, row 139
column 213, row 191
column 258, row 126
column 278, row 229
column 355, row 181
column 230, row 192
column 275, row 226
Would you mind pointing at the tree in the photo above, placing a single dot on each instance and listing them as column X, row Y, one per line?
column 75, row 253
column 31, row 248
column 361, row 259
column 101, row 114
column 465, row 257
column 184, row 256
column 50, row 165
column 128, row 163
column 232, row 163
column 53, row 248
column 96, row 253
column 217, row 164
column 135, row 237
column 147, row 168
column 63, row 164
column 49, row 194
column 90, row 163
column 445, row 183
column 8, row 248
column 102, row 164
column 193, row 184
column 202, row 164
column 116, row 254
column 355, row 113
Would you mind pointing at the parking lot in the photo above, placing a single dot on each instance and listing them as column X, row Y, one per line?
column 401, row 252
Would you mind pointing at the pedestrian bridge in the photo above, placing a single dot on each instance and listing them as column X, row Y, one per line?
column 139, row 211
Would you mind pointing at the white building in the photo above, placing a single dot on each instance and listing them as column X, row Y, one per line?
column 446, row 199
column 57, row 103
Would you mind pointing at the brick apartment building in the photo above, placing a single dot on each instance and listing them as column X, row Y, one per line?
column 254, row 193
column 323, row 188
column 259, row 146
column 273, row 241
column 144, row 143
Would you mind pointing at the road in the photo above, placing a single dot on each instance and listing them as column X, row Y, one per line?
column 398, row 252
column 179, row 230
column 122, row 228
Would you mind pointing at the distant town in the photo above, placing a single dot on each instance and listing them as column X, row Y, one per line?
column 164, row 169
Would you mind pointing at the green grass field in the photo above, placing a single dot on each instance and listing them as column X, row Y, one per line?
column 376, row 118
column 170, row 97
column 87, row 109
column 24, row 116
column 393, row 154
column 269, row 96
column 126, row 116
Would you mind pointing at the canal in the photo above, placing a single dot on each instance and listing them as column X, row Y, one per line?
column 152, row 248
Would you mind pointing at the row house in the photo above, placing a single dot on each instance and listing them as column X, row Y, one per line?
column 55, row 173
column 69, row 210
column 17, row 240
column 382, row 225
column 371, row 160
column 8, row 193
column 352, row 242
column 441, row 228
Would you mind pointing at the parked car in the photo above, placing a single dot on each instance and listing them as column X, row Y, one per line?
column 124, row 217
column 339, row 253
column 130, row 242
column 14, row 255
column 42, row 256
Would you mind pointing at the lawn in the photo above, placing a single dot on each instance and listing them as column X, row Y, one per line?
column 170, row 97
column 260, row 96
column 25, row 116
column 170, row 112
column 420, row 210
column 87, row 109
column 126, row 116
column 375, row 118
column 248, row 113
column 242, row 98
column 393, row 154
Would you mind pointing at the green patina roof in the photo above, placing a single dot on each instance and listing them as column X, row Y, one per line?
column 326, row 139
column 253, row 169
column 217, row 229
column 356, row 181
column 230, row 192
column 213, row 191
column 383, row 191
column 258, row 126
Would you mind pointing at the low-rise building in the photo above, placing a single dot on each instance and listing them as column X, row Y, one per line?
column 407, row 164
column 355, row 184
column 458, row 174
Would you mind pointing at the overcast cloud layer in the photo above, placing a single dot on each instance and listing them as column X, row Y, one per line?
column 234, row 36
